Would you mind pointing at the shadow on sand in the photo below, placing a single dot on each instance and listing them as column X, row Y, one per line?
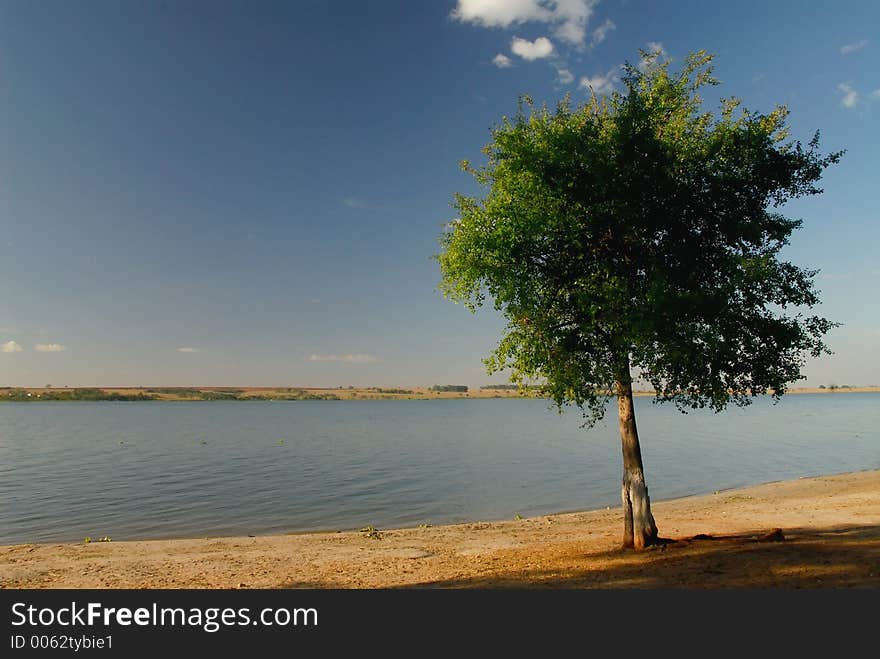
column 839, row 557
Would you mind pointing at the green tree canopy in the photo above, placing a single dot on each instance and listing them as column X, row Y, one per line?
column 639, row 231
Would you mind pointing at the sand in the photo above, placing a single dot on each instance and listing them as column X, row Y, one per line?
column 830, row 538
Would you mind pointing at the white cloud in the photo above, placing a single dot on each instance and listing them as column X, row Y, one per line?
column 500, row 13
column 359, row 358
column 531, row 50
column 656, row 52
column 501, row 61
column 570, row 17
column 564, row 76
column 187, row 349
column 50, row 347
column 875, row 95
column 574, row 14
column 850, row 96
column 602, row 31
column 599, row 83
column 10, row 346
column 853, row 47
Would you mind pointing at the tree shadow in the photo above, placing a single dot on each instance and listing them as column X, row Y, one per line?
column 834, row 557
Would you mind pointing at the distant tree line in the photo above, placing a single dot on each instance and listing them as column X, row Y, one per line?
column 219, row 395
column 183, row 392
column 450, row 387
column 292, row 394
column 22, row 395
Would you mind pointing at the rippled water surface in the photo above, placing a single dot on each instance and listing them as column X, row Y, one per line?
column 156, row 470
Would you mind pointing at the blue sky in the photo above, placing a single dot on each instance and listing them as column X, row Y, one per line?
column 198, row 193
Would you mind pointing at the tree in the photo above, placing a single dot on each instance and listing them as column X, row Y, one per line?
column 636, row 232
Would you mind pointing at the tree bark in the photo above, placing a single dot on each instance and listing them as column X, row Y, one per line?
column 639, row 529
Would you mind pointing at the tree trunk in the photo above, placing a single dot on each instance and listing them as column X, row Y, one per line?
column 639, row 530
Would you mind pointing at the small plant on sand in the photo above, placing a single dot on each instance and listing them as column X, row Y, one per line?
column 372, row 532
column 87, row 540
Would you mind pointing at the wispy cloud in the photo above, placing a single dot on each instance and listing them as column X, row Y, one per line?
column 531, row 50
column 600, row 83
column 10, row 346
column 850, row 95
column 875, row 95
column 564, row 76
column 502, row 61
column 50, row 347
column 601, row 32
column 838, row 276
column 354, row 202
column 569, row 18
column 853, row 47
column 358, row 358
column 655, row 52
column 187, row 349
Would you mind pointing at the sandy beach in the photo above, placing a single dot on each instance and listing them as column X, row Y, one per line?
column 830, row 537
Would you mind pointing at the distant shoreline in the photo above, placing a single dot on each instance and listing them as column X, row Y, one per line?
column 278, row 394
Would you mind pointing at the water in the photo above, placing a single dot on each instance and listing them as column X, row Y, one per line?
column 197, row 469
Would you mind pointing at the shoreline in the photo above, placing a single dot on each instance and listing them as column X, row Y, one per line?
column 830, row 524
column 297, row 394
